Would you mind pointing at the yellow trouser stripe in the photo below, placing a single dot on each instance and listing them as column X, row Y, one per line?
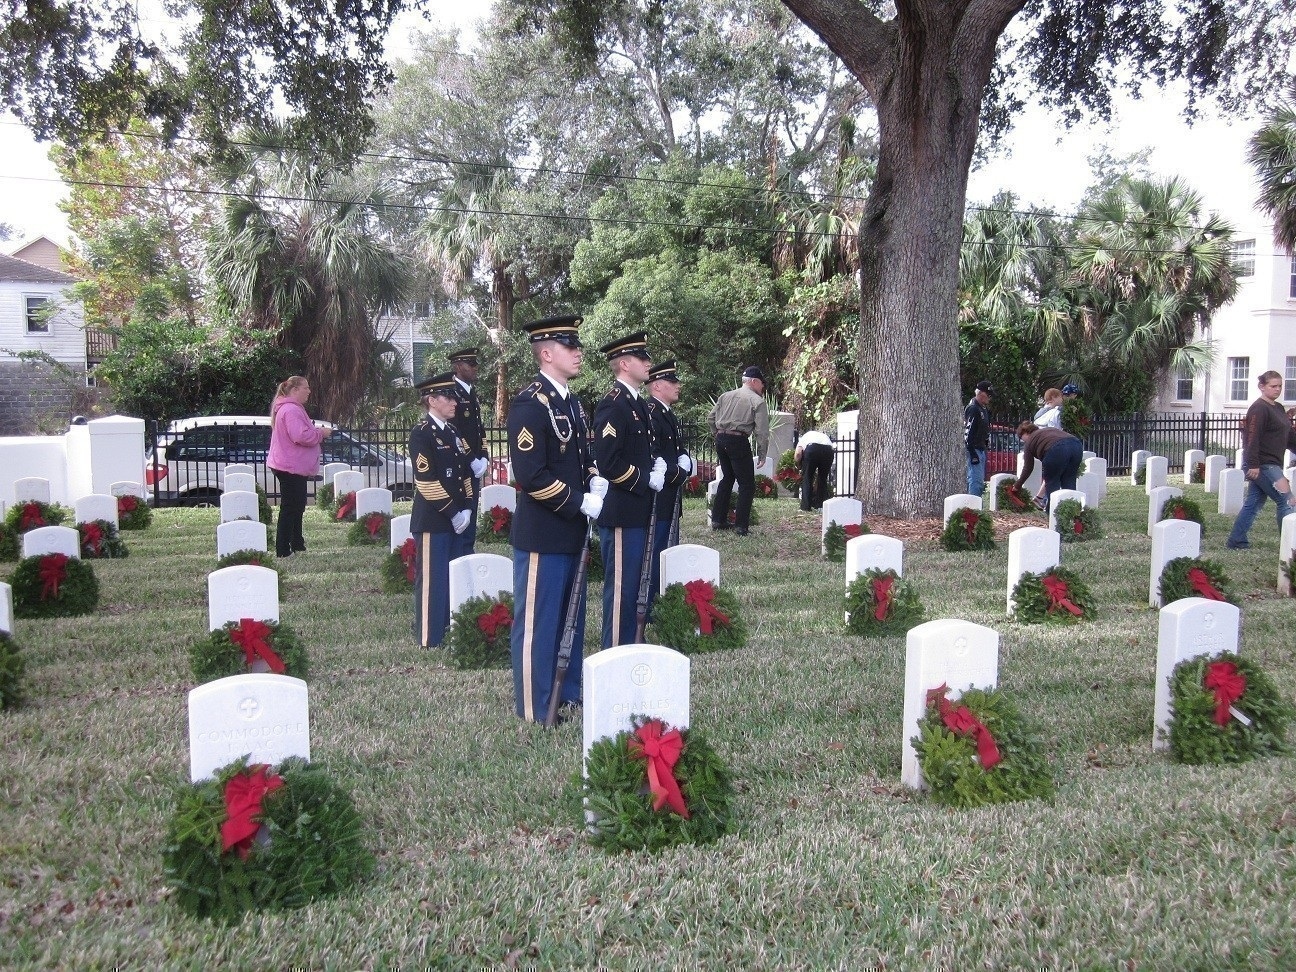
column 616, row 587
column 529, row 622
column 425, row 572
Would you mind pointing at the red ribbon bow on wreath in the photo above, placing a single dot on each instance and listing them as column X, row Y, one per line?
column 1015, row 497
column 882, row 596
column 1078, row 526
column 699, row 594
column 1228, row 684
column 491, row 621
column 852, row 530
column 250, row 635
column 1059, row 593
column 243, row 795
column 500, row 519
column 347, row 507
column 959, row 720
column 1200, row 583
column 408, row 553
column 970, row 518
column 92, row 536
column 1178, row 513
column 662, row 749
column 31, row 517
column 126, row 505
column 373, row 523
column 53, row 572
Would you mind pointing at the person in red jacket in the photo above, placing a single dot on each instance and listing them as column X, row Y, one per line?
column 294, row 458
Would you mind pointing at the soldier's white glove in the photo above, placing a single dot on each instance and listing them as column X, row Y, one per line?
column 685, row 463
column 461, row 520
column 656, row 481
column 479, row 467
column 659, row 465
column 592, row 505
column 598, row 486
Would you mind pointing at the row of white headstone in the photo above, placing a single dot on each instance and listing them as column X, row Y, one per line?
column 33, row 489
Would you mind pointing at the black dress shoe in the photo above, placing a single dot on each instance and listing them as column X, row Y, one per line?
column 719, row 526
column 299, row 546
column 741, row 531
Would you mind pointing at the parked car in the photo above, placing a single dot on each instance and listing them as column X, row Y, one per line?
column 1001, row 457
column 187, row 462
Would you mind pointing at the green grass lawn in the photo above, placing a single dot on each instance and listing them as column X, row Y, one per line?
column 1136, row 864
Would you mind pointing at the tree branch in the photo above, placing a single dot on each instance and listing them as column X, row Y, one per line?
column 865, row 44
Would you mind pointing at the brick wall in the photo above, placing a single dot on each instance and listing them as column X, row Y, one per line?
column 33, row 398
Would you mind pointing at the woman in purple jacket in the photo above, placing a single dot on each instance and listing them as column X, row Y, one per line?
column 294, row 458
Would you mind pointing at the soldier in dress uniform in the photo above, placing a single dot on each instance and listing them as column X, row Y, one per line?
column 623, row 449
column 664, row 391
column 443, row 506
column 468, row 422
column 559, row 492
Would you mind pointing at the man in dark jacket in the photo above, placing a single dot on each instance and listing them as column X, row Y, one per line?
column 468, row 423
column 1266, row 434
column 976, row 436
column 664, row 391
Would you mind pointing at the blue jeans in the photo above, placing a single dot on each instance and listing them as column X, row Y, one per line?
column 975, row 473
column 1257, row 490
column 1060, row 465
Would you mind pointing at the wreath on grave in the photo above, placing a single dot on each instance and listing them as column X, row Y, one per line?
column 837, row 535
column 1056, row 596
column 968, row 529
column 54, row 586
column 1076, row 523
column 100, row 540
column 251, row 558
column 324, row 498
column 1290, row 567
column 694, row 487
column 979, row 750
column 882, row 605
column 232, row 649
column 133, row 513
column 27, row 516
column 698, row 617
column 345, row 507
column 399, row 567
column 479, row 632
column 264, row 513
column 256, row 838
column 1198, row 473
column 1195, row 577
column 8, row 543
column 1011, row 497
column 372, row 529
column 753, row 518
column 12, row 670
column 1076, row 417
column 655, row 786
column 493, row 525
column 765, row 488
column 1140, row 475
column 1178, row 508
column 788, row 475
column 1225, row 709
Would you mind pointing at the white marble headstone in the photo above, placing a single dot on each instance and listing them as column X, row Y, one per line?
column 347, row 481
column 1061, row 496
column 1158, row 473
column 1034, row 480
column 239, row 482
column 1286, row 551
column 1237, row 458
column 1191, row 458
column 6, row 608
column 688, row 562
column 1214, row 466
column 950, row 652
column 1031, row 550
column 51, row 539
column 261, row 716
column 331, row 469
column 239, row 469
column 240, row 535
column 960, row 501
column 245, row 591
column 127, row 488
column 1189, row 627
column 631, row 680
column 1097, row 466
column 1157, row 500
column 95, row 506
column 241, row 505
column 400, row 531
column 374, row 499
column 1086, row 455
column 767, row 468
column 992, row 490
column 477, row 574
column 1092, row 488
column 499, row 495
column 31, row 488
column 1232, row 490
column 1171, row 539
column 1138, row 459
column 840, row 510
column 873, row 551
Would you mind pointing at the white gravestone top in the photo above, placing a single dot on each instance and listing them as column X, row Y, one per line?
column 992, row 493
column 332, row 469
column 240, row 535
column 51, row 539
column 31, row 488
column 477, row 574
column 127, row 488
column 1232, row 490
column 240, row 505
column 1171, row 539
column 375, row 499
column 1286, row 551
column 687, row 562
column 1157, row 500
column 950, row 652
column 767, row 468
column 1158, row 473
column 95, row 506
column 261, row 716
column 347, row 481
column 239, row 482
column 1059, row 497
column 499, row 495
column 6, row 608
column 1189, row 627
column 960, row 501
column 873, row 551
column 1138, row 459
column 1086, row 455
column 1214, row 466
column 239, row 469
column 630, row 680
column 245, row 591
column 1031, row 550
column 1098, row 467
column 1191, row 458
column 1092, row 487
column 400, row 531
column 1036, row 479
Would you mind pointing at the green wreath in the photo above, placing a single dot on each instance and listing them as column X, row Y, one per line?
column 108, row 545
column 788, row 474
column 1076, row 523
column 264, row 513
column 12, row 670
column 903, row 610
column 1035, row 605
column 219, row 655
column 694, row 487
column 8, row 543
column 1194, row 734
column 765, row 488
column 837, row 536
column 1012, row 498
column 398, row 568
column 251, row 558
column 677, row 623
column 955, row 536
column 1140, row 475
column 324, row 498
column 1076, row 417
column 23, row 517
column 753, row 518
column 133, row 513
column 77, row 594
column 313, row 845
column 617, row 795
column 495, row 525
column 1290, row 567
column 342, row 503
column 1198, row 473
column 1179, row 508
column 467, row 640
column 952, row 769
column 371, row 530
column 1176, row 583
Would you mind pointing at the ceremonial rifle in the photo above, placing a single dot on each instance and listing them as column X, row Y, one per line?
column 645, row 575
column 569, row 630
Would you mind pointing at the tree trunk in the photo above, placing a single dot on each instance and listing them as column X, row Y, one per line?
column 502, row 285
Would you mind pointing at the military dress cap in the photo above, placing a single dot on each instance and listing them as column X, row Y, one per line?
column 635, row 344
column 463, row 354
column 443, row 384
column 565, row 329
column 664, row 372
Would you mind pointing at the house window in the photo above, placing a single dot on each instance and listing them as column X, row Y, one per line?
column 1183, row 385
column 1289, row 381
column 422, row 309
column 38, row 315
column 1244, row 258
column 1239, row 379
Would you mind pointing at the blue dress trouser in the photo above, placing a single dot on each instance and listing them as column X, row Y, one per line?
column 433, row 552
column 623, row 553
column 542, row 584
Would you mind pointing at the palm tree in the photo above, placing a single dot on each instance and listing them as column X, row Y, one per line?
column 1272, row 153
column 297, row 250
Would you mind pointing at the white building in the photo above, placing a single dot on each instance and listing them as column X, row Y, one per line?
column 36, row 313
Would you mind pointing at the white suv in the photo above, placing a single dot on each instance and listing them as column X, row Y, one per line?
column 195, row 451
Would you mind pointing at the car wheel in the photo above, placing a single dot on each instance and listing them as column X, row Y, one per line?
column 203, row 498
column 402, row 491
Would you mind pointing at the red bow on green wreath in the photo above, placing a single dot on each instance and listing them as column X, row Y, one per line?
column 250, row 635
column 699, row 594
column 1178, row 513
column 373, row 523
column 31, row 517
column 852, row 530
column 347, row 507
column 53, row 572
column 662, row 750
column 243, row 795
column 1078, row 526
column 491, row 621
column 959, row 720
column 1200, row 583
column 126, row 505
column 882, row 597
column 1059, row 593
column 92, row 536
column 970, row 517
column 1228, row 684
column 408, row 553
column 500, row 519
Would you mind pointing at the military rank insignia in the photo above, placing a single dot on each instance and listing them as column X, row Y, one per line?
column 525, row 441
